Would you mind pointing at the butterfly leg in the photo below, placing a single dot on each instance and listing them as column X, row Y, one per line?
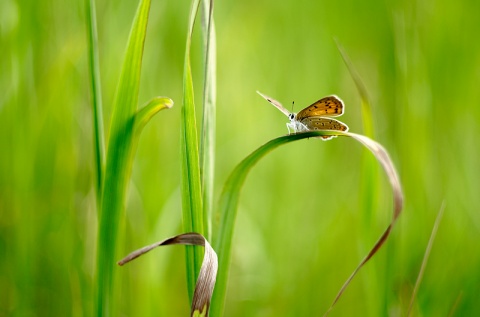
column 291, row 127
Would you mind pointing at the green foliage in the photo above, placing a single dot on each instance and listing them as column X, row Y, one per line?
column 125, row 130
column 192, row 205
column 304, row 219
column 198, row 157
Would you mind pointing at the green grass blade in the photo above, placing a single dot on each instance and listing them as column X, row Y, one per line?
column 207, row 143
column 119, row 161
column 191, row 183
column 94, row 66
column 229, row 201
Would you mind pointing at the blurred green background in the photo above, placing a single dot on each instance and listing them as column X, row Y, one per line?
column 302, row 227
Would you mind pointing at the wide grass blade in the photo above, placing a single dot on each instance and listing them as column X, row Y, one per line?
column 208, row 271
column 125, row 129
column 94, row 65
column 230, row 195
column 207, row 143
column 191, row 182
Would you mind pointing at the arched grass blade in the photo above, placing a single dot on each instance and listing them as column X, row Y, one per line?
column 230, row 195
column 208, row 271
column 384, row 159
column 226, row 214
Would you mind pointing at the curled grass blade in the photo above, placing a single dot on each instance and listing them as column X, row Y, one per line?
column 208, row 271
column 230, row 195
column 191, row 183
column 149, row 110
column 142, row 117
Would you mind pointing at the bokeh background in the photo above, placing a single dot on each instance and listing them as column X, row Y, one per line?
column 302, row 225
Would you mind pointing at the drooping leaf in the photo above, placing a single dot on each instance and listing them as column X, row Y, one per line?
column 148, row 111
column 208, row 271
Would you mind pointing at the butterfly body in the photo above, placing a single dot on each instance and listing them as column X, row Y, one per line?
column 295, row 125
column 317, row 116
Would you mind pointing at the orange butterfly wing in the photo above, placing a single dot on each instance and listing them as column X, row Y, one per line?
column 330, row 106
column 318, row 123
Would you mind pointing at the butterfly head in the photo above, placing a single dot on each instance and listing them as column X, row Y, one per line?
column 292, row 116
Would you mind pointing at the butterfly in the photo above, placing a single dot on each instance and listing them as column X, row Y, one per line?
column 317, row 116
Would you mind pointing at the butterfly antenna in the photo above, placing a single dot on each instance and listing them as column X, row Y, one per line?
column 293, row 104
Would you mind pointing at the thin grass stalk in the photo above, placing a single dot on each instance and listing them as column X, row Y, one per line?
column 94, row 65
column 367, row 121
column 207, row 142
column 192, row 210
column 369, row 173
column 425, row 258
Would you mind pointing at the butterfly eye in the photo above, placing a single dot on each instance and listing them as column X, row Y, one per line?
column 291, row 116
